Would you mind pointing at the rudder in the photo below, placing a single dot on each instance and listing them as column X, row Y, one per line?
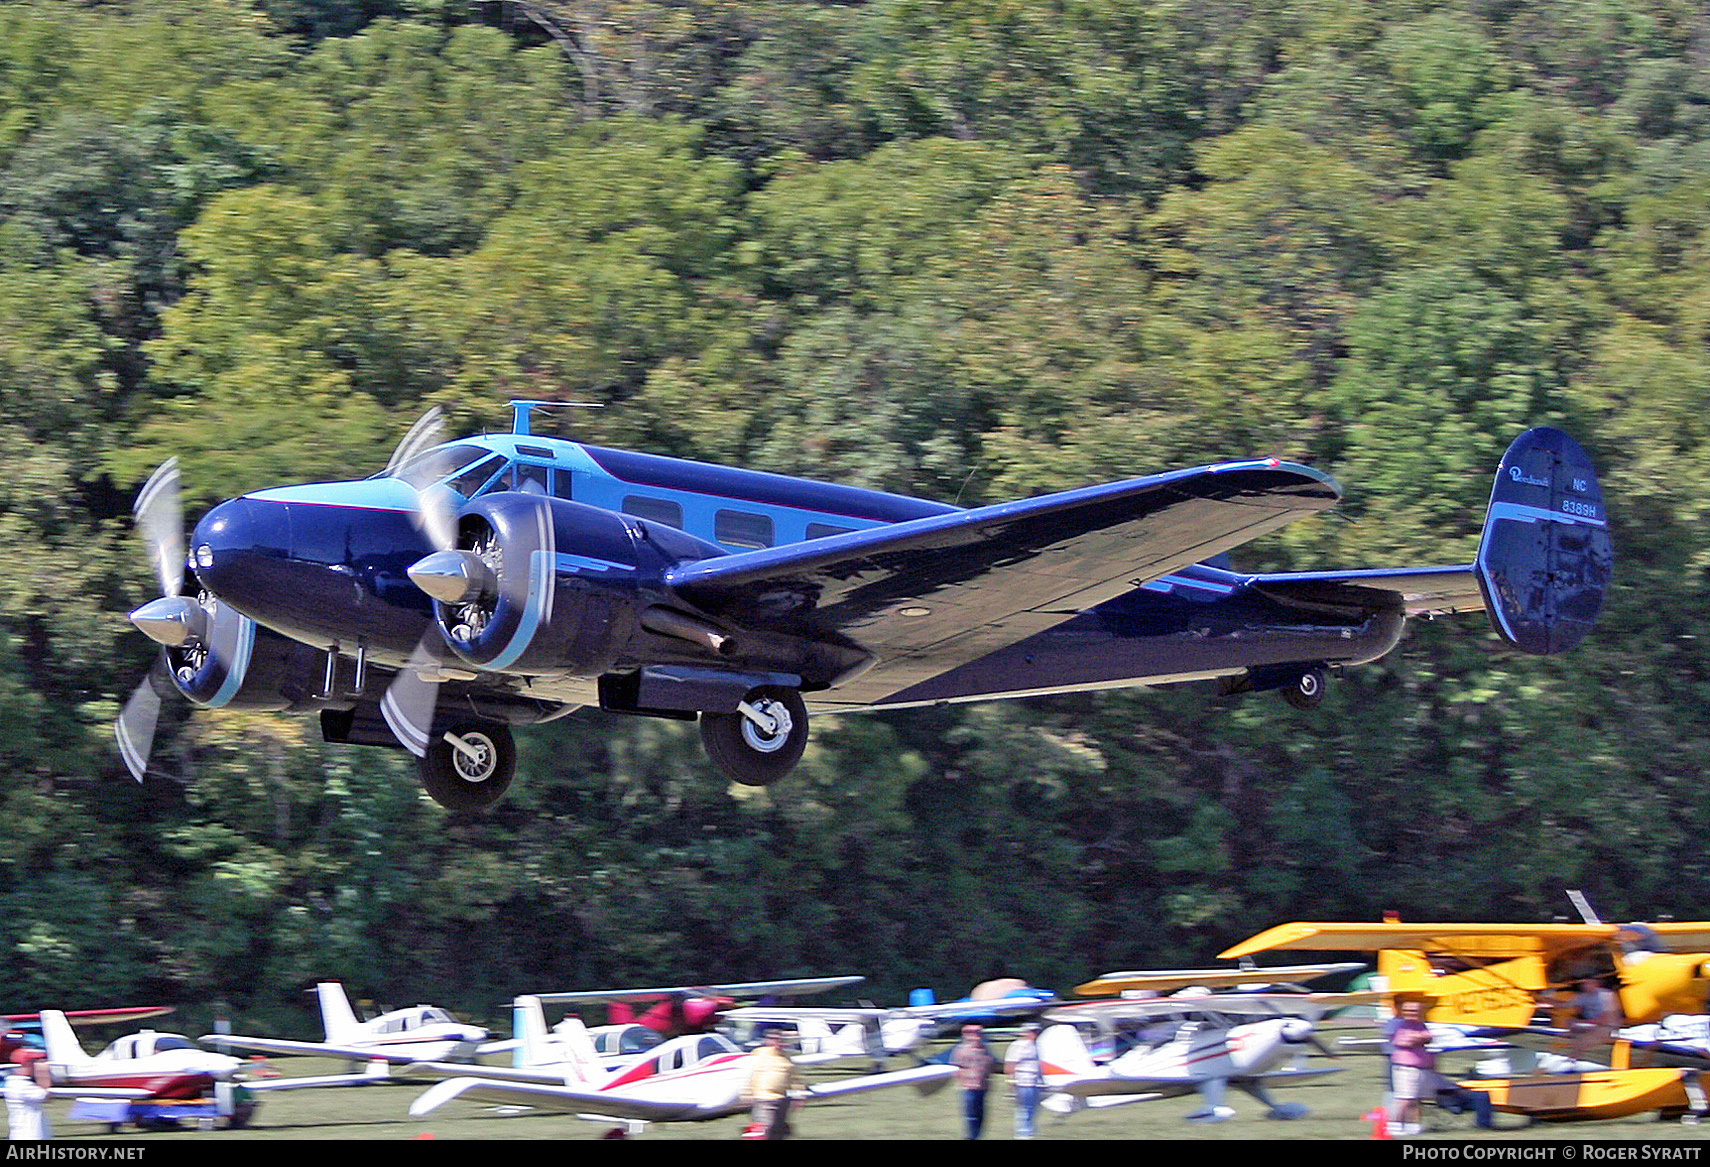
column 1545, row 557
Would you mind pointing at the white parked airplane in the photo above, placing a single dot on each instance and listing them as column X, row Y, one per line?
column 1183, row 1045
column 686, row 1079
column 423, row 1033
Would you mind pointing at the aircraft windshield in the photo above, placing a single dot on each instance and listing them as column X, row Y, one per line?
column 438, row 463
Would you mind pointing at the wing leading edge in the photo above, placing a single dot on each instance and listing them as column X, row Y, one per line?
column 923, row 596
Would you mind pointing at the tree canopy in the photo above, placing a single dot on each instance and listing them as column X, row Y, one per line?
column 969, row 251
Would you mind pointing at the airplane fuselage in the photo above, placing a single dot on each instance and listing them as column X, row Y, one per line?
column 325, row 565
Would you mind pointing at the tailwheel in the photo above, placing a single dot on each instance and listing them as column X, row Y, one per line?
column 470, row 766
column 1306, row 691
column 762, row 741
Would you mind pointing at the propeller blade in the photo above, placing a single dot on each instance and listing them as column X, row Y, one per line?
column 160, row 521
column 408, row 705
column 436, row 515
column 137, row 721
column 428, row 432
column 1318, row 1044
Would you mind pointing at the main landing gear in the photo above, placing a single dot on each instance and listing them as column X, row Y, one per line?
column 762, row 741
column 1306, row 691
column 470, row 766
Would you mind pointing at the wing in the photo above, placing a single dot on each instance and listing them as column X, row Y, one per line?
column 1423, row 591
column 1493, row 940
column 784, row 1014
column 364, row 1053
column 1221, row 1006
column 795, row 988
column 99, row 1016
column 563, row 1099
column 1169, row 980
column 1683, row 936
column 923, row 596
column 927, row 1078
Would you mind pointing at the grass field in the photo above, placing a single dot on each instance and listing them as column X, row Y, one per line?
column 1337, row 1102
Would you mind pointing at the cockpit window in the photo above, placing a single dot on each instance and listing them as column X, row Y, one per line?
column 435, row 464
column 471, row 482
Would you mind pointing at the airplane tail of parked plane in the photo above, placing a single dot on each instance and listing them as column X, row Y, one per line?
column 63, row 1048
column 1544, row 560
column 567, row 1044
column 337, row 1017
column 1064, row 1057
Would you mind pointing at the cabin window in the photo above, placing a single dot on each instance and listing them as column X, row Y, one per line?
column 826, row 530
column 528, row 478
column 660, row 510
column 742, row 529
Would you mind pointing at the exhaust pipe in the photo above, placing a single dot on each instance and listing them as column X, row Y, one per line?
column 668, row 622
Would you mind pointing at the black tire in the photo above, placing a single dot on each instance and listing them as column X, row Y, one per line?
column 456, row 782
column 746, row 754
column 1307, row 691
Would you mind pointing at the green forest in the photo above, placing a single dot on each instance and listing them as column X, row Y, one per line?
column 969, row 250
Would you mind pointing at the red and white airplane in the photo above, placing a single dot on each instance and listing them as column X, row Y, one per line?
column 139, row 1065
column 1184, row 1045
column 687, row 1079
column 681, row 1009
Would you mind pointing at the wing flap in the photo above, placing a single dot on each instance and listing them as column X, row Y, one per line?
column 1423, row 591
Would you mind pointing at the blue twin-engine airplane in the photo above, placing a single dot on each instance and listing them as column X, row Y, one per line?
column 509, row 579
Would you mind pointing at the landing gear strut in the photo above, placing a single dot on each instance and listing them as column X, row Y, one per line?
column 469, row 767
column 762, row 741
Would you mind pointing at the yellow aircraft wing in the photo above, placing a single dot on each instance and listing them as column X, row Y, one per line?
column 1684, row 936
column 1489, row 940
column 1492, row 940
column 1169, row 980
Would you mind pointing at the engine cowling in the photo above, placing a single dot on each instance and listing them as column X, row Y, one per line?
column 542, row 585
column 234, row 663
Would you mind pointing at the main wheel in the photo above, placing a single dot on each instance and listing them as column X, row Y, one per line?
column 474, row 772
column 1307, row 691
column 758, row 749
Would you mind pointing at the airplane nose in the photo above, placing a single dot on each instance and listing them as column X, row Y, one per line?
column 232, row 537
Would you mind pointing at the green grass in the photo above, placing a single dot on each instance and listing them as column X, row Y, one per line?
column 1337, row 1102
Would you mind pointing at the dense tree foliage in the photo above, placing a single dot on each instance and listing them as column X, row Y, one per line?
column 966, row 250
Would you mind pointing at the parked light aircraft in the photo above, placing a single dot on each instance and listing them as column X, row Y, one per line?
column 1183, row 1045
column 422, row 1033
column 870, row 1031
column 878, row 1033
column 682, row 1009
column 511, row 578
column 687, row 1079
column 137, row 1065
column 24, row 1030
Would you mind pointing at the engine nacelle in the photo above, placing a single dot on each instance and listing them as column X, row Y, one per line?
column 234, row 663
column 543, row 585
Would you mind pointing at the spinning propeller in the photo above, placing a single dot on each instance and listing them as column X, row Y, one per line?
column 208, row 644
column 191, row 628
